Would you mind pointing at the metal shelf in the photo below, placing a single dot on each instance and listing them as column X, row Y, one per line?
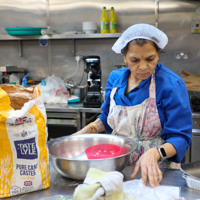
column 66, row 36
column 63, row 36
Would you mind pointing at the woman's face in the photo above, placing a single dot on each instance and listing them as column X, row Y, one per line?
column 141, row 60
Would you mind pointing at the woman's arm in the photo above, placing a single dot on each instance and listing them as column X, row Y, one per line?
column 176, row 117
column 94, row 127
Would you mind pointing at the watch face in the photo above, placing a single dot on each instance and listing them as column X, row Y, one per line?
column 162, row 150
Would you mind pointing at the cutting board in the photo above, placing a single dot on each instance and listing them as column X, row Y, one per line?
column 192, row 82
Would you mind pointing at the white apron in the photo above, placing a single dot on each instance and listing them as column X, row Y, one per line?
column 141, row 123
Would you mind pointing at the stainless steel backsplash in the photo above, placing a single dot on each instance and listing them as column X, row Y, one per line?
column 58, row 57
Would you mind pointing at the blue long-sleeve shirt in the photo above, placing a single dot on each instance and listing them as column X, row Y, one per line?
column 172, row 103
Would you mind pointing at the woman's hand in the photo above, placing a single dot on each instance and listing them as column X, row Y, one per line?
column 148, row 164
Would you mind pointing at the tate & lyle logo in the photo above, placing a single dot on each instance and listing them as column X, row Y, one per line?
column 26, row 149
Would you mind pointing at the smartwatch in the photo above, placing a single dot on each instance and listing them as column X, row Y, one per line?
column 162, row 152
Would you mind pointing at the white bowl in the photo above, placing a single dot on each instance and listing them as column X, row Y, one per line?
column 89, row 27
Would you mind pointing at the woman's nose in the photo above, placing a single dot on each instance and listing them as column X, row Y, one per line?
column 143, row 65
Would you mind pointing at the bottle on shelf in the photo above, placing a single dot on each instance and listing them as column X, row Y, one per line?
column 104, row 21
column 112, row 21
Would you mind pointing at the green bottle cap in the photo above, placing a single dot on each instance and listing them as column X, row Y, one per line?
column 104, row 7
column 112, row 7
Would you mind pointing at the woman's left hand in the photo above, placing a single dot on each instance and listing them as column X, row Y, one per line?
column 148, row 164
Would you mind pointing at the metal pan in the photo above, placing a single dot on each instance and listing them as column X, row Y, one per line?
column 191, row 172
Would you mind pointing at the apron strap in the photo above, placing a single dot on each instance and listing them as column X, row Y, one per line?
column 152, row 87
column 112, row 95
column 112, row 101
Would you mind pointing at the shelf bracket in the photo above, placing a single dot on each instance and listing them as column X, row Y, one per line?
column 49, row 58
column 74, row 47
column 20, row 48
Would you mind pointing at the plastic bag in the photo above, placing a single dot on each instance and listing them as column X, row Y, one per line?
column 53, row 90
column 138, row 191
column 24, row 157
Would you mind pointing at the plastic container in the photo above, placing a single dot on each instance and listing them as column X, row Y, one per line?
column 24, row 30
column 89, row 27
column 192, row 182
column 112, row 21
column 73, row 99
column 191, row 174
column 14, row 78
column 12, row 83
column 104, row 21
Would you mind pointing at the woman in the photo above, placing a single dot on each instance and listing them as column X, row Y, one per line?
column 146, row 102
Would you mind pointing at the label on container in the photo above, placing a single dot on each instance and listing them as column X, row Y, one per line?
column 113, row 26
column 104, row 27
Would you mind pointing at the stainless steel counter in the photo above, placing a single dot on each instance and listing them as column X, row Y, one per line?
column 71, row 107
column 64, row 187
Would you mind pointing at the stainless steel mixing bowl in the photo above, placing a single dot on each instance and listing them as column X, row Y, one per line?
column 67, row 154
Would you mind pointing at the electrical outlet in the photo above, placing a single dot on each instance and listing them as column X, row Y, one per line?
column 182, row 55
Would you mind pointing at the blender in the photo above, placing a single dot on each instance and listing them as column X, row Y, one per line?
column 93, row 98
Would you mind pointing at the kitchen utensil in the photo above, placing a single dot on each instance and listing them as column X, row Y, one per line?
column 186, row 73
column 80, row 90
column 24, row 30
column 191, row 172
column 100, row 151
column 67, row 154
